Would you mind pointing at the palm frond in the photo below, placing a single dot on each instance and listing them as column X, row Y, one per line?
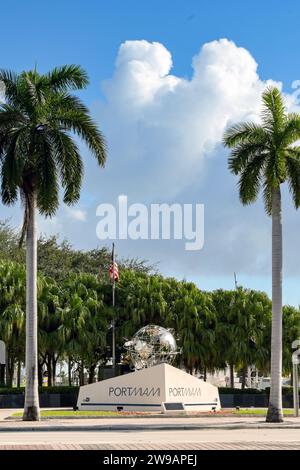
column 267, row 196
column 244, row 132
column 62, row 102
column 273, row 112
column 67, row 77
column 69, row 163
column 291, row 131
column 265, row 155
column 46, row 183
column 82, row 124
column 37, row 147
column 12, row 167
column 10, row 81
column 250, row 180
column 242, row 154
column 31, row 89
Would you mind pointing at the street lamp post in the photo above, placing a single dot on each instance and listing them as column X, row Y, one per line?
column 113, row 305
column 295, row 362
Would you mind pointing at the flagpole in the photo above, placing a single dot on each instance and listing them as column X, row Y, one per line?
column 113, row 305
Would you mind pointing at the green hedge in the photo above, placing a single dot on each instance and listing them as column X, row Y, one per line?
column 59, row 389
column 11, row 391
column 238, row 391
column 67, row 389
column 20, row 390
column 285, row 391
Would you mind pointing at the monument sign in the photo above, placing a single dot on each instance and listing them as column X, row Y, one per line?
column 155, row 385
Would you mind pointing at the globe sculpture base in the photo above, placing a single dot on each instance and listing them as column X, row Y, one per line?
column 151, row 389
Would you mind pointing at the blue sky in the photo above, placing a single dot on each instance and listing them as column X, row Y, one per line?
column 90, row 33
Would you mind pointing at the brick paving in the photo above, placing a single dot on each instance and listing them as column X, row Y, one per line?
column 162, row 446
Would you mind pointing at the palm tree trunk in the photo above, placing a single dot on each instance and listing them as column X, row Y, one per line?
column 249, row 380
column 10, row 370
column 19, row 374
column 231, row 375
column 31, row 408
column 54, row 363
column 81, row 374
column 99, row 374
column 40, row 374
column 274, row 414
column 49, row 370
column 92, row 373
column 70, row 372
column 244, row 370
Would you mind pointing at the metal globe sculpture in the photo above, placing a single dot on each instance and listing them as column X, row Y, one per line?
column 151, row 345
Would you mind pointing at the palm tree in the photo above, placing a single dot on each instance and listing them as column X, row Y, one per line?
column 84, row 322
column 51, row 348
column 291, row 331
column 38, row 121
column 265, row 156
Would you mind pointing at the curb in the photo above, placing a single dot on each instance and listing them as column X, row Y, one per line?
column 147, row 427
column 12, row 418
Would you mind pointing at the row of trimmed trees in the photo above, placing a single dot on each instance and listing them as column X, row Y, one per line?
column 214, row 329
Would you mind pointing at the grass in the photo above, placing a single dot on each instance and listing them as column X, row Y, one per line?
column 72, row 414
column 224, row 412
column 257, row 412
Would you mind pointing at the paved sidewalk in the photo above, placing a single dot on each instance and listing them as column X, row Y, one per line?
column 150, row 423
column 209, row 439
column 6, row 412
column 166, row 434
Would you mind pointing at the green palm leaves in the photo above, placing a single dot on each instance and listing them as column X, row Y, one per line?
column 12, row 313
column 266, row 155
column 38, row 122
column 242, row 328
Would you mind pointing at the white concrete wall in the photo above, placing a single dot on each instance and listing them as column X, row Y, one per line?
column 146, row 389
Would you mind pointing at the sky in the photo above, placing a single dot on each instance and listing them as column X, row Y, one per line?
column 166, row 79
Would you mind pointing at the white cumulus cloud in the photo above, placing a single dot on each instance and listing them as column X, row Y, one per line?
column 160, row 127
column 164, row 135
column 76, row 214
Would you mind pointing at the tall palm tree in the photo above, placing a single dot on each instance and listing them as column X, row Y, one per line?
column 265, row 156
column 38, row 122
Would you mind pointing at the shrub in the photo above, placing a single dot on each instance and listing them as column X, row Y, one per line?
column 285, row 391
column 11, row 390
column 236, row 391
column 20, row 390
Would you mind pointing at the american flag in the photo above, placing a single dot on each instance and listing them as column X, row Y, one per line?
column 113, row 272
